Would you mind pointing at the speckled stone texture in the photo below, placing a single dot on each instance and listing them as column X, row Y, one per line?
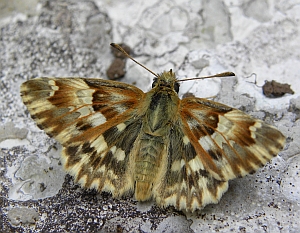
column 257, row 40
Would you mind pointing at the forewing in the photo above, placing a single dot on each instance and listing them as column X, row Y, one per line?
column 96, row 121
column 186, row 184
column 77, row 109
column 228, row 142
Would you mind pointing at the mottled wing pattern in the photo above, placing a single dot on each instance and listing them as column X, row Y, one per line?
column 96, row 121
column 228, row 142
column 210, row 144
column 187, row 185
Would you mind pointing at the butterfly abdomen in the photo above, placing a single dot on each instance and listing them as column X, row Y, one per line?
column 147, row 165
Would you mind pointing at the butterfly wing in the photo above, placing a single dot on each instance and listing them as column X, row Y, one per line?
column 210, row 144
column 228, row 142
column 97, row 122
column 186, row 184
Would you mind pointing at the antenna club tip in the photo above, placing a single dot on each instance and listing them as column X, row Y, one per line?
column 224, row 74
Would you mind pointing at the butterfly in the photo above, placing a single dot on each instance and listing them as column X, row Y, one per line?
column 118, row 139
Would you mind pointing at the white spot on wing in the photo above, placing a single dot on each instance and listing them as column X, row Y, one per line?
column 176, row 166
column 224, row 125
column 119, row 154
column 51, row 93
column 97, row 119
column 195, row 164
column 85, row 96
column 85, row 158
column 257, row 125
column 100, row 144
column 85, row 111
column 186, row 140
column 204, row 142
column 113, row 149
column 253, row 129
column 52, row 83
column 120, row 109
column 219, row 139
column 86, row 100
column 102, row 168
column 182, row 204
column 171, row 200
column 195, row 204
column 121, row 127
column 182, row 163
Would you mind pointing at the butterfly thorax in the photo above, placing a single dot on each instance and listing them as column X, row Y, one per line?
column 162, row 107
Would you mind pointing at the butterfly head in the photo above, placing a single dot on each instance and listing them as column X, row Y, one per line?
column 166, row 80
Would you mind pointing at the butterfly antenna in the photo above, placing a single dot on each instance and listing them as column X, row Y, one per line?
column 224, row 74
column 118, row 47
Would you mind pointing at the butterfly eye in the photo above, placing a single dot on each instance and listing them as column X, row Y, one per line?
column 154, row 82
column 176, row 87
